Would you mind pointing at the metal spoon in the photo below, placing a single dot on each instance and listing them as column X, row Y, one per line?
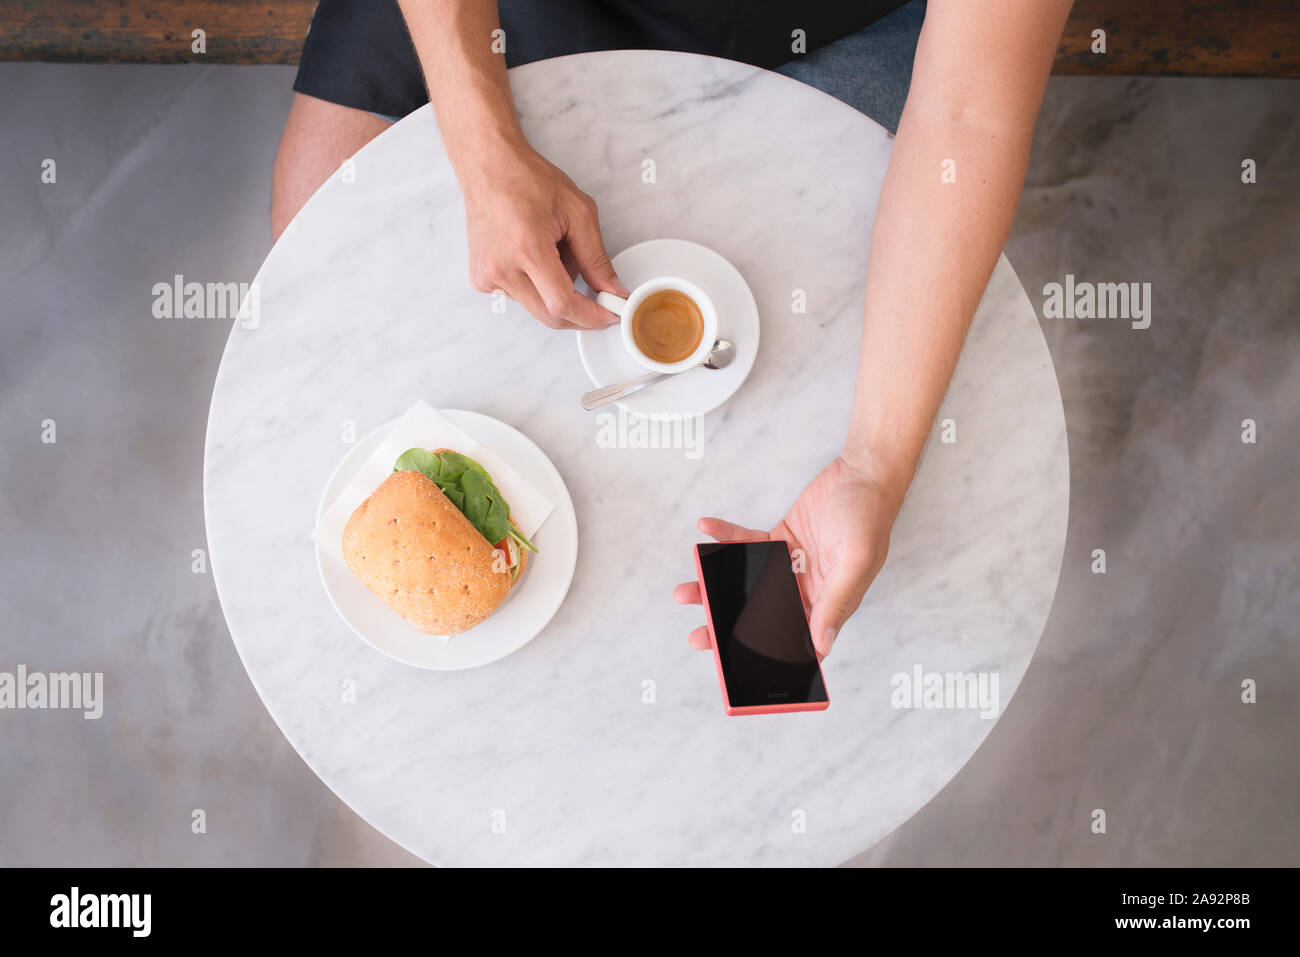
column 719, row 357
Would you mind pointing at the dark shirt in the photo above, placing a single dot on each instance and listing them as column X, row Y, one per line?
column 359, row 53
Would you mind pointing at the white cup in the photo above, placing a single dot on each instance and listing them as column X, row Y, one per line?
column 625, row 309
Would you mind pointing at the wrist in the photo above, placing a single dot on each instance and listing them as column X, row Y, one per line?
column 889, row 483
column 479, row 121
column 479, row 152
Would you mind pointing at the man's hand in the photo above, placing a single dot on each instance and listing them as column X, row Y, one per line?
column 840, row 525
column 531, row 232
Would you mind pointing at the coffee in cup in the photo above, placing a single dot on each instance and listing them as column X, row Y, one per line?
column 668, row 324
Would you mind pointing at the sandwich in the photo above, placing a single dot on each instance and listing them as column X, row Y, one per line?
column 436, row 542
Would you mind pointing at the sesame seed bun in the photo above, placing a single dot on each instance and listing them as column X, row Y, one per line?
column 410, row 546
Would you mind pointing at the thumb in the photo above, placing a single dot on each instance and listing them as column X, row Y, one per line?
column 840, row 596
column 589, row 252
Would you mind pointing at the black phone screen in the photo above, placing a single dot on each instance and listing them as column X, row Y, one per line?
column 760, row 625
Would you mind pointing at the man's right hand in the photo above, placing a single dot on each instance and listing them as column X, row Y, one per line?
column 531, row 232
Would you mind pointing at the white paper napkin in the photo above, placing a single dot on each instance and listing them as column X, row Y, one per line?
column 425, row 427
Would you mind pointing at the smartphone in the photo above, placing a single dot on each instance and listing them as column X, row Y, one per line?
column 761, row 641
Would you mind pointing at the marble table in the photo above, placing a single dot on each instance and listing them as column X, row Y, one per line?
column 556, row 754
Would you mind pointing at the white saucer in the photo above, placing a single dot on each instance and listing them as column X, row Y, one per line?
column 532, row 602
column 697, row 390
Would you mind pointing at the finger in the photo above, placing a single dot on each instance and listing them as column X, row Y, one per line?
column 520, row 288
column 570, row 264
column 559, row 297
column 687, row 593
column 589, row 250
column 841, row 594
column 699, row 639
column 723, row 531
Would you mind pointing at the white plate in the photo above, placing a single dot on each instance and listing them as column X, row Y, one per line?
column 532, row 602
column 698, row 390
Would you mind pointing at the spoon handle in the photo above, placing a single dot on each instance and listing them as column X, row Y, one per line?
column 611, row 393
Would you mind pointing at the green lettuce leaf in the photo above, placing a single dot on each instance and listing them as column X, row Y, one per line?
column 468, row 486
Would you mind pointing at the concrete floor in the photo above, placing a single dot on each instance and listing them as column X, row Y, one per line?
column 1132, row 704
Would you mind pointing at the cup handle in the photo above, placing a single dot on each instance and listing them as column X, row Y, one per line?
column 613, row 303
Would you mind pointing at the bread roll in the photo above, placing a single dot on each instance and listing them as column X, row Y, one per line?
column 410, row 546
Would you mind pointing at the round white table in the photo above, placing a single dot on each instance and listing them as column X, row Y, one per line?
column 557, row 754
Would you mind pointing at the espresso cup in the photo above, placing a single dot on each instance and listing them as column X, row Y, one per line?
column 626, row 310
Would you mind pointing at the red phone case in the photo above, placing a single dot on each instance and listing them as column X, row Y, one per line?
column 717, row 657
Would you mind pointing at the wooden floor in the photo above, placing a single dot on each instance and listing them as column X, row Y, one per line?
column 1180, row 37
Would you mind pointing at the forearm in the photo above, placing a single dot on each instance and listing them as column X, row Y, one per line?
column 946, row 207
column 528, row 227
column 933, row 247
column 465, row 77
